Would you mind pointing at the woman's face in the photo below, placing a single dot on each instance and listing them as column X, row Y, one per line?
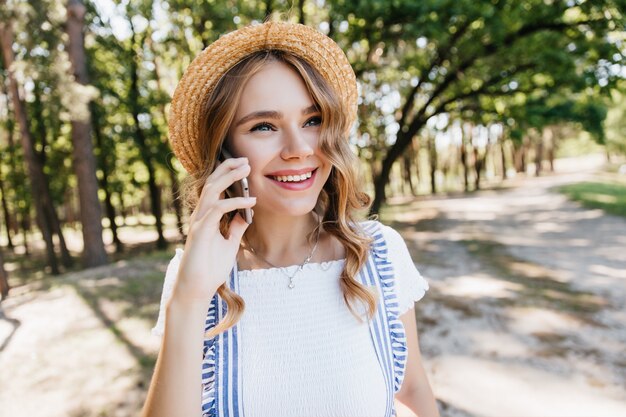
column 277, row 127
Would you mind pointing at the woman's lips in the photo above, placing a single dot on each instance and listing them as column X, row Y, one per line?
column 295, row 185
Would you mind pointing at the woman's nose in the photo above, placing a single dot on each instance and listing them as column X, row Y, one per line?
column 296, row 144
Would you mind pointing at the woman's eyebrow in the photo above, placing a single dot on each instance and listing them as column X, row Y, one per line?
column 311, row 109
column 271, row 114
column 263, row 114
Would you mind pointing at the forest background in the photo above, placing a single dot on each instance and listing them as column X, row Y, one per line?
column 452, row 94
column 455, row 96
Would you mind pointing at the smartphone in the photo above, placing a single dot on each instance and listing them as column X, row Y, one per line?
column 240, row 188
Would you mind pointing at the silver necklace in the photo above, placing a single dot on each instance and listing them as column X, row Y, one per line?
column 300, row 266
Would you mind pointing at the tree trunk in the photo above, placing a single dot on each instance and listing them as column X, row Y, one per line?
column 4, row 280
column 464, row 163
column 432, row 159
column 503, row 158
column 11, row 224
column 479, row 165
column 54, row 222
column 104, row 182
column 51, row 214
column 393, row 153
column 175, row 190
column 408, row 159
column 519, row 156
column 331, row 25
column 24, row 223
column 551, row 158
column 539, row 153
column 94, row 253
column 551, row 147
column 515, row 157
column 144, row 149
column 39, row 189
column 6, row 214
column 301, row 12
column 268, row 8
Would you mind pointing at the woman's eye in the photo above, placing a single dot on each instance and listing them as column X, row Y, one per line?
column 262, row 127
column 314, row 121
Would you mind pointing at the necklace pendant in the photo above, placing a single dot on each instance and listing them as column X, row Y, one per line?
column 291, row 285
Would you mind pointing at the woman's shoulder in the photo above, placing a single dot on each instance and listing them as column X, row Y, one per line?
column 374, row 227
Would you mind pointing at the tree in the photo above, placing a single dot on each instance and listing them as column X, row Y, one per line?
column 94, row 253
column 615, row 124
column 43, row 203
column 4, row 280
column 442, row 55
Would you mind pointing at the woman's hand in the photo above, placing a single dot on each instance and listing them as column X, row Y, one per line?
column 209, row 256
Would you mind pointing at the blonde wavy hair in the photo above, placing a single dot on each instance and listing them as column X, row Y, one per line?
column 341, row 197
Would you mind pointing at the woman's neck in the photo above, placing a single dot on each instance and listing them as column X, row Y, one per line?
column 280, row 240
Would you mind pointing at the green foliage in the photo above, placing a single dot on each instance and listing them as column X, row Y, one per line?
column 587, row 112
column 526, row 64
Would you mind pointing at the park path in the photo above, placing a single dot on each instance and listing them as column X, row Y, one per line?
column 525, row 315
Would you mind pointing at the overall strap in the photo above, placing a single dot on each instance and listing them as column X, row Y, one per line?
column 221, row 379
column 386, row 329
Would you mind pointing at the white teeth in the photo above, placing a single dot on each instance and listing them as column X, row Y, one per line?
column 293, row 178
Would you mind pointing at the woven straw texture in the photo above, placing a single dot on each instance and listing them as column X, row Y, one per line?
column 210, row 65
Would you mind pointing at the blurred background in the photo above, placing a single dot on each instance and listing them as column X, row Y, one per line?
column 491, row 134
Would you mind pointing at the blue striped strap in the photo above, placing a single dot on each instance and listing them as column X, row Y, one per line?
column 386, row 329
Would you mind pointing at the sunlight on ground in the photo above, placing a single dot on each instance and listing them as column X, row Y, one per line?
column 528, row 320
column 66, row 383
column 608, row 271
column 496, row 343
column 472, row 286
column 550, row 227
column 488, row 388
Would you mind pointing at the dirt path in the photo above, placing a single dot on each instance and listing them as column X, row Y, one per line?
column 525, row 315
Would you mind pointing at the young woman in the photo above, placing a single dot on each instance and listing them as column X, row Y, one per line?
column 306, row 311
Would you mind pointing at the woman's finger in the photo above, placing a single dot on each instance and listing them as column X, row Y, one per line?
column 230, row 204
column 218, row 182
column 221, row 169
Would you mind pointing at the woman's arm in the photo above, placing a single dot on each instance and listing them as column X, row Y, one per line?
column 176, row 386
column 415, row 393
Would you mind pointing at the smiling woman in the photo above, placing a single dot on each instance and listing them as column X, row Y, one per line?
column 280, row 135
column 306, row 291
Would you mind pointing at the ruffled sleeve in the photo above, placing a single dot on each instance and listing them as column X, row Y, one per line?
column 410, row 286
column 168, row 287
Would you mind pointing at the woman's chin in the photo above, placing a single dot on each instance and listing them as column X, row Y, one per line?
column 287, row 208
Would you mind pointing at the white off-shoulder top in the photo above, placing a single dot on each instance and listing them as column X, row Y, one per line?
column 303, row 353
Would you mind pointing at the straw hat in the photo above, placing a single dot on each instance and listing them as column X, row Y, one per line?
column 210, row 65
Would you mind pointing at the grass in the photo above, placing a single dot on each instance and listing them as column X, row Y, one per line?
column 606, row 195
